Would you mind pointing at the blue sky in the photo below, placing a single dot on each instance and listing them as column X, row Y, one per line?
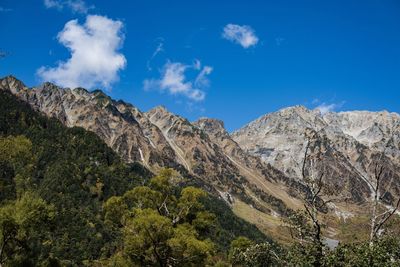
column 232, row 60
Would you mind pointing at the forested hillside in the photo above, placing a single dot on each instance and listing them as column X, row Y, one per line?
column 55, row 181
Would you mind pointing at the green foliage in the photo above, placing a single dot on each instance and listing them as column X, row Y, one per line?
column 142, row 196
column 117, row 260
column 239, row 244
column 16, row 150
column 115, row 209
column 146, row 237
column 229, row 226
column 385, row 252
column 305, row 254
column 307, row 248
column 161, row 226
column 300, row 227
column 188, row 248
column 17, row 162
column 68, row 167
column 24, row 225
column 244, row 252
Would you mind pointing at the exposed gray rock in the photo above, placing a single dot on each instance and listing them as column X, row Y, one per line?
column 351, row 142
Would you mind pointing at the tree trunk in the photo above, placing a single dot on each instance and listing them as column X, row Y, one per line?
column 373, row 219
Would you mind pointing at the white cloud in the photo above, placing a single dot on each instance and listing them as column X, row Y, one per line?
column 94, row 60
column 173, row 80
column 159, row 49
column 325, row 108
column 243, row 35
column 53, row 4
column 315, row 101
column 76, row 6
column 201, row 79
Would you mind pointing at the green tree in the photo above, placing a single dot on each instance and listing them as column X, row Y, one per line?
column 244, row 252
column 239, row 244
column 24, row 226
column 142, row 197
column 115, row 208
column 385, row 252
column 146, row 236
column 186, row 247
column 162, row 226
column 17, row 162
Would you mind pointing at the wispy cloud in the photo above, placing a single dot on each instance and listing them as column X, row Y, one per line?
column 76, row 6
column 159, row 49
column 174, row 80
column 325, row 107
column 94, row 60
column 201, row 79
column 197, row 64
column 4, row 9
column 279, row 41
column 243, row 35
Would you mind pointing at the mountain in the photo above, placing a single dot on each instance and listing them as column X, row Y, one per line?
column 353, row 143
column 257, row 169
column 158, row 138
column 76, row 173
column 122, row 126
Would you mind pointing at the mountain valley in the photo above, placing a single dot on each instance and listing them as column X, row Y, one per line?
column 256, row 170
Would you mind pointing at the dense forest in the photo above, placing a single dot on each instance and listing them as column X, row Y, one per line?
column 66, row 199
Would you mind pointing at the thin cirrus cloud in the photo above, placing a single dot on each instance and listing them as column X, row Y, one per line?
column 76, row 6
column 325, row 108
column 159, row 49
column 243, row 35
column 174, row 80
column 4, row 9
column 95, row 59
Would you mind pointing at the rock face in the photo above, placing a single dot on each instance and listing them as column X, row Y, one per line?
column 257, row 168
column 353, row 142
column 379, row 131
column 195, row 151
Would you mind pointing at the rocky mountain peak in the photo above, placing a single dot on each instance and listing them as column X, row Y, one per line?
column 294, row 109
column 288, row 122
column 49, row 86
column 82, row 91
column 160, row 110
column 350, row 137
column 295, row 112
column 368, row 128
column 96, row 93
column 211, row 126
column 12, row 84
